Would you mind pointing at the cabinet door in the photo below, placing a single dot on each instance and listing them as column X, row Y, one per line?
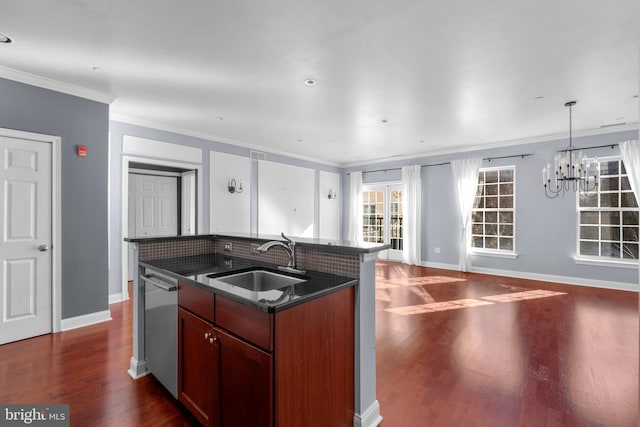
column 198, row 368
column 246, row 390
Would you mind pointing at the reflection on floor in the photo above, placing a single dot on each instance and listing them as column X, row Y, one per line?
column 470, row 302
column 521, row 353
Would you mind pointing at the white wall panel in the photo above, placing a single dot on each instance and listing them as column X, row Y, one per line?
column 330, row 209
column 229, row 211
column 286, row 199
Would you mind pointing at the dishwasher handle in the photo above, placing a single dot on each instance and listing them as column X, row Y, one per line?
column 169, row 287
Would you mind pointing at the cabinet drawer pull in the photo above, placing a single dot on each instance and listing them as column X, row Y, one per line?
column 213, row 339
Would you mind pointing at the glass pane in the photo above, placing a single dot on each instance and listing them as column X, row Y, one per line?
column 609, row 168
column 477, row 216
column 479, row 203
column 628, row 200
column 623, row 170
column 630, row 218
column 506, row 244
column 491, row 243
column 491, row 190
column 610, row 217
column 477, row 228
column 491, row 202
column 630, row 251
column 506, row 175
column 490, row 229
column 491, row 216
column 588, row 201
column 609, row 233
column 590, row 233
column 506, row 202
column 506, row 217
column 491, row 177
column 589, row 248
column 481, row 178
column 480, row 191
column 506, row 189
column 608, row 200
column 630, row 234
column 610, row 249
column 624, row 184
column 588, row 217
column 609, row 184
column 477, row 242
column 506, row 230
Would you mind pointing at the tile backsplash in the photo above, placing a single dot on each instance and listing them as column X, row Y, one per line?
column 308, row 257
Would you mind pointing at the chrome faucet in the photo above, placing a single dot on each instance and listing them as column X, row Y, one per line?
column 289, row 247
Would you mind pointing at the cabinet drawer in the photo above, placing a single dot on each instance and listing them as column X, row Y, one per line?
column 249, row 323
column 197, row 300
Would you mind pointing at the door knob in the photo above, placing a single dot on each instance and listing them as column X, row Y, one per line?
column 43, row 248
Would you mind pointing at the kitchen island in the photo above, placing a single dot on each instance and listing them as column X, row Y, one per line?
column 334, row 270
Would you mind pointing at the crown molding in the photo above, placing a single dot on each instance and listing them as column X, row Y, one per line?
column 55, row 85
column 501, row 144
column 123, row 118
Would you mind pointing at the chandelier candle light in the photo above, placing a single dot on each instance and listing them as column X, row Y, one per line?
column 571, row 170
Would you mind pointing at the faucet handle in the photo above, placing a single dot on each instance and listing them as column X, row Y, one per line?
column 286, row 238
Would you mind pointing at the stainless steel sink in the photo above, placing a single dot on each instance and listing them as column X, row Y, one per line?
column 260, row 280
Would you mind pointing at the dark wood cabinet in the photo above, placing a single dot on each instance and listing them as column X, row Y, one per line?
column 244, row 367
column 198, row 368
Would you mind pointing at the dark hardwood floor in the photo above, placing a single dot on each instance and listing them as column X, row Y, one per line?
column 458, row 349
column 453, row 349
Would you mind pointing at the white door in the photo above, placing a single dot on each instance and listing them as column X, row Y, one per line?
column 382, row 220
column 25, row 240
column 156, row 205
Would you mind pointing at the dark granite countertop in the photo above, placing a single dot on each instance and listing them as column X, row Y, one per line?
column 203, row 271
column 337, row 246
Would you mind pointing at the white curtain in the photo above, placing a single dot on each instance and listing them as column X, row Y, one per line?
column 465, row 181
column 631, row 157
column 355, row 207
column 411, row 215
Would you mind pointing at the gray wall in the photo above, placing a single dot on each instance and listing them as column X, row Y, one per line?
column 84, row 184
column 119, row 129
column 545, row 228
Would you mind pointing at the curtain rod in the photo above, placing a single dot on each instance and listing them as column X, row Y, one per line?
column 448, row 163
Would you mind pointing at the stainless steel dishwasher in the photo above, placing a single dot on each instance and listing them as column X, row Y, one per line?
column 161, row 327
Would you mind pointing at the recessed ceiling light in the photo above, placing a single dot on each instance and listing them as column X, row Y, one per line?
column 299, row 140
column 219, row 118
column 5, row 38
column 384, row 121
column 635, row 96
column 422, row 141
column 310, row 82
column 538, row 98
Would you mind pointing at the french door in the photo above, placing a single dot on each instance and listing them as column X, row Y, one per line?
column 382, row 218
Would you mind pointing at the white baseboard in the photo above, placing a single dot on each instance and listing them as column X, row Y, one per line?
column 370, row 418
column 114, row 298
column 580, row 281
column 440, row 265
column 137, row 369
column 86, row 320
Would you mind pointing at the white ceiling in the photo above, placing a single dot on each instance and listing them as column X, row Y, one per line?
column 443, row 75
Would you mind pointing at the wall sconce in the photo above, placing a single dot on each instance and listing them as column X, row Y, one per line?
column 332, row 194
column 233, row 188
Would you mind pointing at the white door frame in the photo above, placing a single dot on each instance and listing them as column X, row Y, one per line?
column 56, row 217
column 386, row 188
column 125, row 206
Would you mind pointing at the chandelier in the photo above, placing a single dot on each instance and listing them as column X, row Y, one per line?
column 571, row 170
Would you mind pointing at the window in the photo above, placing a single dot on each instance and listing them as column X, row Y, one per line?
column 493, row 214
column 608, row 219
column 382, row 215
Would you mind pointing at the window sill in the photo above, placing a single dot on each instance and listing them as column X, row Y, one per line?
column 495, row 254
column 607, row 263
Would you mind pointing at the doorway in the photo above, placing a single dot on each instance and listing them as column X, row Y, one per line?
column 29, row 246
column 382, row 218
column 183, row 205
